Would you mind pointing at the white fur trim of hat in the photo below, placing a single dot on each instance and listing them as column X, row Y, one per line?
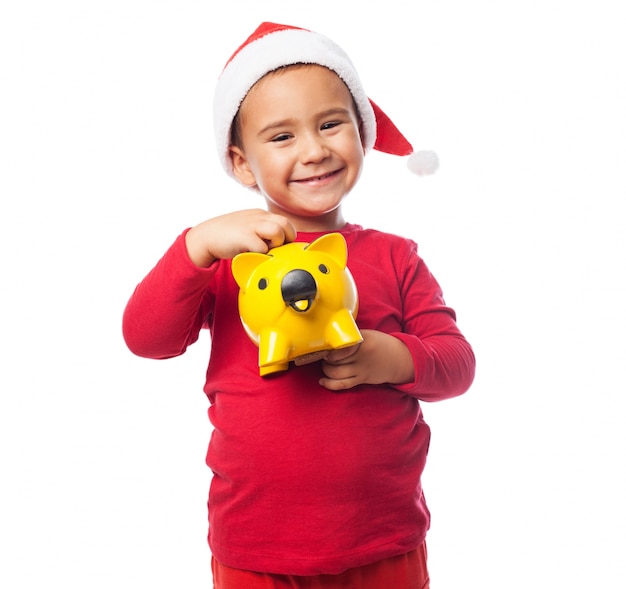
column 273, row 46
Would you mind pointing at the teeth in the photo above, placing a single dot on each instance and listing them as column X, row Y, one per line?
column 320, row 177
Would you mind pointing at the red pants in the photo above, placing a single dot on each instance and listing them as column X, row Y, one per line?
column 407, row 571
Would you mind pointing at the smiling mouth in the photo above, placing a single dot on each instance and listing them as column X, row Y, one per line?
column 318, row 178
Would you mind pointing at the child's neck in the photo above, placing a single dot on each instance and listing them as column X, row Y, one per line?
column 318, row 225
column 333, row 221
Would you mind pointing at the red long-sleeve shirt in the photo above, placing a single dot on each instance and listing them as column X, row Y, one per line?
column 305, row 480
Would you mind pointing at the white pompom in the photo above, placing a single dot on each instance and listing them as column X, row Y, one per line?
column 423, row 162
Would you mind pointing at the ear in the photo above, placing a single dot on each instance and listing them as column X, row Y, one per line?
column 332, row 244
column 362, row 134
column 241, row 169
column 244, row 264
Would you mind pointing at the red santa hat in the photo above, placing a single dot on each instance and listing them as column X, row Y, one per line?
column 272, row 46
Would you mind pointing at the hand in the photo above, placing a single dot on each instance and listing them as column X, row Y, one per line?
column 379, row 358
column 223, row 237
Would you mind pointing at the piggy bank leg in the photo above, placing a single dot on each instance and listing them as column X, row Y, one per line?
column 342, row 330
column 273, row 352
column 272, row 368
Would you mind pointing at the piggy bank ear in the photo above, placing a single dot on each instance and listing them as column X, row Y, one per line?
column 332, row 244
column 244, row 264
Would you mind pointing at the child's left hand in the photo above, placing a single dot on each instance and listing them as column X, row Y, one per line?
column 379, row 358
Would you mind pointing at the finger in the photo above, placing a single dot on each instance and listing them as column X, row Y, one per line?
column 338, row 371
column 337, row 385
column 289, row 229
column 255, row 244
column 285, row 225
column 272, row 233
column 342, row 355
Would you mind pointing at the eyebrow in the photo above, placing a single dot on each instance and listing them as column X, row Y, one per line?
column 288, row 122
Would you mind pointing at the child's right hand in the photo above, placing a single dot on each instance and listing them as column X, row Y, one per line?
column 223, row 237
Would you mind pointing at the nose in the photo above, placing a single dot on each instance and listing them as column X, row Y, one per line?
column 313, row 148
column 298, row 289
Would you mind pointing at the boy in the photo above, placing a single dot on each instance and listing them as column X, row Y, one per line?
column 316, row 471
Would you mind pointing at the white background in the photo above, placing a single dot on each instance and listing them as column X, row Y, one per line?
column 106, row 154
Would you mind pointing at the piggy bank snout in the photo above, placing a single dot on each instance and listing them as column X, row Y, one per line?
column 298, row 289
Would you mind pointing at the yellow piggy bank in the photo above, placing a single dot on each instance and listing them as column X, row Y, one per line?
column 297, row 300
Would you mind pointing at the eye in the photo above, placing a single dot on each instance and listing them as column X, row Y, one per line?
column 262, row 284
column 330, row 125
column 323, row 269
column 281, row 137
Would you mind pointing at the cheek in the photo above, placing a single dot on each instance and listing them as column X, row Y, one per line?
column 268, row 175
column 358, row 156
column 354, row 146
column 272, row 166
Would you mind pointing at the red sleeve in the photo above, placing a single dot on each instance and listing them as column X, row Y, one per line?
column 443, row 359
column 169, row 306
column 444, row 366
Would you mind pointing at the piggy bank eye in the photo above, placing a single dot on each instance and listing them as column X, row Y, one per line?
column 323, row 269
column 262, row 284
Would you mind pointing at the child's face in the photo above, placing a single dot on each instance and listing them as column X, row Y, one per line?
column 300, row 145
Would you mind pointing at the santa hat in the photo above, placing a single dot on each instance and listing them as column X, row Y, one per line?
column 272, row 46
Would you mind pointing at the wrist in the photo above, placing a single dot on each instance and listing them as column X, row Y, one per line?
column 401, row 363
column 197, row 253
